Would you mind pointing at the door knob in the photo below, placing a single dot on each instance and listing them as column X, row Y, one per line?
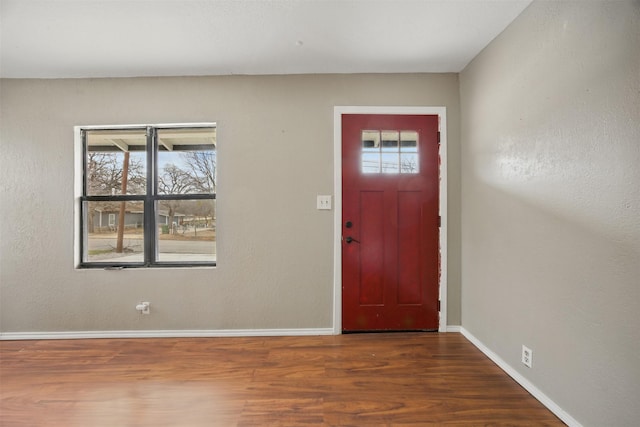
column 350, row 239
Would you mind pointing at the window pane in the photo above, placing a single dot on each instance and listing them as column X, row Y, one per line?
column 370, row 141
column 187, row 161
column 186, row 230
column 390, row 162
column 370, row 162
column 370, row 151
column 409, row 141
column 107, row 238
column 390, row 141
column 409, row 163
column 112, row 153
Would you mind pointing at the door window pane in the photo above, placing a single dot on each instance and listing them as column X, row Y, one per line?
column 371, row 162
column 409, row 160
column 409, row 163
column 409, row 141
column 370, row 141
column 370, row 151
column 390, row 162
column 390, row 141
column 390, row 152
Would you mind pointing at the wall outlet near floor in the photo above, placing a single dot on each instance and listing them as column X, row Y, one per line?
column 527, row 356
column 144, row 307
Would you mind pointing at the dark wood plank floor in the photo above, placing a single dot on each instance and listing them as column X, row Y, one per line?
column 399, row 379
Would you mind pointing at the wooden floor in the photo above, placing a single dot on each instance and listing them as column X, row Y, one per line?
column 399, row 379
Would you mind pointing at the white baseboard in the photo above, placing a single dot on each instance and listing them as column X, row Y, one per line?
column 525, row 383
column 454, row 328
column 14, row 336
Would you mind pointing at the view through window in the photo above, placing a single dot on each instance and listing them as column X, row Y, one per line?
column 390, row 151
column 149, row 196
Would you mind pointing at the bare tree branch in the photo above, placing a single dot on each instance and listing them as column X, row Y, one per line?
column 174, row 180
column 202, row 167
column 104, row 174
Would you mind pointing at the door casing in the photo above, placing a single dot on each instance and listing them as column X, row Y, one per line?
column 338, row 112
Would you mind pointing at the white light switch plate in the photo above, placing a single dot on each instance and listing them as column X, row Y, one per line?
column 324, row 203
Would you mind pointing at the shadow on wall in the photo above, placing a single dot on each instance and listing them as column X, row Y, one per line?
column 568, row 290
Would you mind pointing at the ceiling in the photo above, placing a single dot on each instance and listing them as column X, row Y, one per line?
column 124, row 38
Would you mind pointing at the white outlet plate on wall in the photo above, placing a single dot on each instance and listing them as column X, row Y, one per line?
column 527, row 356
column 144, row 307
column 324, row 203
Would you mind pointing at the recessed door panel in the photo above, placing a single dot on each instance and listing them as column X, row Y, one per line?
column 409, row 247
column 371, row 290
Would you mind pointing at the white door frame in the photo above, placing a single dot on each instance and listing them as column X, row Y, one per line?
column 338, row 112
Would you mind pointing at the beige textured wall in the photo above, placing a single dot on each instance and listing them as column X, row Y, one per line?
column 275, row 153
column 551, row 203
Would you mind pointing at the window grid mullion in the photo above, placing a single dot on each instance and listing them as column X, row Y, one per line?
column 83, row 213
column 150, row 238
column 186, row 196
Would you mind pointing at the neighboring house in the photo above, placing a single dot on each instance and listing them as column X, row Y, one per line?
column 107, row 219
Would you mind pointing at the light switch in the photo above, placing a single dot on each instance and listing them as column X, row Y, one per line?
column 324, row 203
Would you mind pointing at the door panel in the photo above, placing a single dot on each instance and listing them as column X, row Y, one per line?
column 371, row 245
column 390, row 222
column 409, row 250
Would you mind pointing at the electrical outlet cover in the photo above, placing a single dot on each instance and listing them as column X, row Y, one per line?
column 527, row 356
column 324, row 203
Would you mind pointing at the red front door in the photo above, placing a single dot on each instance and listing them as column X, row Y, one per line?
column 390, row 251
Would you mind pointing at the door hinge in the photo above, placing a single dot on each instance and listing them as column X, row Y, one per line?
column 438, row 305
column 438, row 137
column 439, row 221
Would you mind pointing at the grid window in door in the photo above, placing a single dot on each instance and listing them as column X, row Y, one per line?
column 390, row 152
